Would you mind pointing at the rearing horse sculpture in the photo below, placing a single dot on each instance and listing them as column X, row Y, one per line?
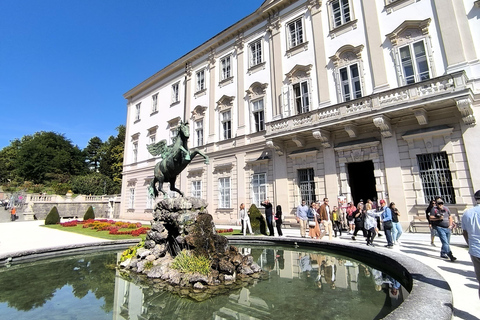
column 175, row 158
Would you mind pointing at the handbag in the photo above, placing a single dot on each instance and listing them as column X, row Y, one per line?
column 311, row 223
column 387, row 224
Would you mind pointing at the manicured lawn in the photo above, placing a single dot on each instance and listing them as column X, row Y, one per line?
column 104, row 234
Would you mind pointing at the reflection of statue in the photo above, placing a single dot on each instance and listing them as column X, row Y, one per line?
column 175, row 158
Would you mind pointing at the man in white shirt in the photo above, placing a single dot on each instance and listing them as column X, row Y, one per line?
column 471, row 233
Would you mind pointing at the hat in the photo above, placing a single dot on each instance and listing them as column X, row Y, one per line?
column 477, row 194
column 382, row 201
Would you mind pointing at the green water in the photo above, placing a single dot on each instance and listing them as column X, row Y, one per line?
column 301, row 284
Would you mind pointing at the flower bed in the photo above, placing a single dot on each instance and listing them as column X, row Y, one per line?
column 113, row 227
column 224, row 230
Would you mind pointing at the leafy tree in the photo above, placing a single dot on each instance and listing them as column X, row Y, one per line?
column 49, row 156
column 93, row 153
column 8, row 170
column 94, row 183
column 111, row 164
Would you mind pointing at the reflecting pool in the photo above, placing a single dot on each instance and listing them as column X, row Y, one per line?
column 301, row 284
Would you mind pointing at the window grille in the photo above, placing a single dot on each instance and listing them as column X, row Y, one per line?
column 436, row 177
column 306, row 185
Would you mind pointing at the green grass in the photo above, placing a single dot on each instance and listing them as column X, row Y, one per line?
column 98, row 234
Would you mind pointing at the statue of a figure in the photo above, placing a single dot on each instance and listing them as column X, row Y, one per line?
column 175, row 158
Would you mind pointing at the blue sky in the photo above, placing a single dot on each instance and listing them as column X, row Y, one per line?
column 65, row 64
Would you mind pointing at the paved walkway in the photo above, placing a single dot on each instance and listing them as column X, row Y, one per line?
column 29, row 235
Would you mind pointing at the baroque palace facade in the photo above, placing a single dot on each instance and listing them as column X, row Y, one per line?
column 345, row 99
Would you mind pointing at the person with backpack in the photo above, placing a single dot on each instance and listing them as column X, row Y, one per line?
column 442, row 221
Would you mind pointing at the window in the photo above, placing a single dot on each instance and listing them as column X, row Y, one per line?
column 226, row 69
column 149, row 204
column 199, row 133
column 154, row 103
column 295, row 33
column 306, row 185
column 413, row 59
column 137, row 112
column 259, row 188
column 224, row 192
column 256, row 53
column 436, row 177
column 173, row 135
column 226, row 125
column 258, row 115
column 302, row 101
column 197, row 189
column 350, row 82
column 175, row 92
column 201, row 80
column 131, row 198
column 340, row 12
column 135, row 152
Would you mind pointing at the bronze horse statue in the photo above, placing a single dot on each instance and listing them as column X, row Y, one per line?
column 175, row 158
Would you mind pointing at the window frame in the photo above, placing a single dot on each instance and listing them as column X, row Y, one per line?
column 350, row 82
column 302, row 108
column 431, row 171
column 293, row 35
column 343, row 16
column 256, row 195
column 196, row 189
column 131, row 199
column 255, row 57
column 135, row 151
column 226, row 68
column 200, row 80
column 138, row 107
column 308, row 194
column 414, row 63
column 224, row 193
column 259, row 124
column 175, row 92
column 154, row 103
column 199, row 129
column 226, row 125
column 150, row 201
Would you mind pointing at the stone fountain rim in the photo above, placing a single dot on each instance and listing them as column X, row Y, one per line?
column 413, row 273
column 430, row 296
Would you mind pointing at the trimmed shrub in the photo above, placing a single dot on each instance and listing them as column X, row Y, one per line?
column 89, row 214
column 257, row 220
column 52, row 217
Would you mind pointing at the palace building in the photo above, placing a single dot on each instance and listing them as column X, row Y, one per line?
column 307, row 99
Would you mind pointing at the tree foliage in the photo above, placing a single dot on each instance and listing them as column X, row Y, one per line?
column 93, row 153
column 93, row 183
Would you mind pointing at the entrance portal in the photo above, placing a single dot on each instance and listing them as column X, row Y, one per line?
column 361, row 181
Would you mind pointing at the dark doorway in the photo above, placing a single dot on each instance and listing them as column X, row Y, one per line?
column 361, row 181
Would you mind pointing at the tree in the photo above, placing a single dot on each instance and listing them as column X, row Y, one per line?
column 8, row 170
column 93, row 153
column 49, row 156
column 111, row 163
column 94, row 183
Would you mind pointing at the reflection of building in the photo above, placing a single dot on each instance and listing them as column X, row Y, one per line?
column 309, row 98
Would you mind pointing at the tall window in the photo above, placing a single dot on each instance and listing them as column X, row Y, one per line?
column 197, row 189
column 131, row 198
column 258, row 115
column 302, row 102
column 135, row 152
column 255, row 53
column 226, row 69
column 350, row 82
column 200, row 80
column 306, row 185
column 340, row 11
column 414, row 62
column 173, row 134
column 154, row 103
column 199, row 133
column 436, row 176
column 224, row 192
column 175, row 92
column 295, row 33
column 150, row 198
column 137, row 112
column 226, row 118
column 259, row 188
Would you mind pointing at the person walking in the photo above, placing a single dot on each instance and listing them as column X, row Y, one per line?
column 433, row 233
column 337, row 223
column 278, row 220
column 350, row 218
column 245, row 216
column 387, row 222
column 370, row 224
column 13, row 214
column 471, row 233
column 313, row 222
column 326, row 217
column 302, row 218
column 359, row 216
column 269, row 216
column 397, row 227
column 442, row 221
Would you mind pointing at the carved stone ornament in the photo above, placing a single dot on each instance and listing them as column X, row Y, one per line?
column 465, row 108
column 346, row 55
column 274, row 24
column 383, row 124
column 175, row 122
column 272, row 145
column 198, row 112
column 314, row 5
column 351, row 130
column 324, row 137
column 299, row 72
column 421, row 115
column 407, row 31
column 257, row 89
column 188, row 69
column 212, row 58
column 357, row 155
column 225, row 102
column 300, row 142
column 239, row 43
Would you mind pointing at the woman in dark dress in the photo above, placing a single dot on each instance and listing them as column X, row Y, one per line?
column 278, row 220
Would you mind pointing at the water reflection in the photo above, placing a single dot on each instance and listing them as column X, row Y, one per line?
column 303, row 284
column 309, row 285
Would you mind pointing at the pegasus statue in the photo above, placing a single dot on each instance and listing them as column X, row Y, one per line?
column 175, row 158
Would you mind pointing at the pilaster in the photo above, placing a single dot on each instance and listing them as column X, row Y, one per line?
column 211, row 98
column 276, row 55
column 239, row 46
